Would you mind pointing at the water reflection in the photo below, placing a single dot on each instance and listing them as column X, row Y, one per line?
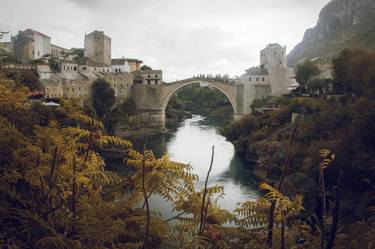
column 191, row 143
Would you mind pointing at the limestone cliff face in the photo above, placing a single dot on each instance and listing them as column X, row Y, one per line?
column 342, row 24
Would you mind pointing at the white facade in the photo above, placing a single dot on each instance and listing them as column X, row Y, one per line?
column 58, row 52
column 94, row 69
column 271, row 78
column 31, row 45
column 44, row 71
column 68, row 67
column 120, row 66
column 42, row 43
column 152, row 77
column 273, row 55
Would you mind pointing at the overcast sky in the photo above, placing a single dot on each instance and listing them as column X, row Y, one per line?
column 183, row 38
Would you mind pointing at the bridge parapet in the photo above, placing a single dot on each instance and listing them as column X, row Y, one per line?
column 197, row 79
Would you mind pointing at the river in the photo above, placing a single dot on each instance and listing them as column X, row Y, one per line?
column 192, row 143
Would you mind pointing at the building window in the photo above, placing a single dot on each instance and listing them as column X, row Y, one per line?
column 75, row 68
column 257, row 79
column 148, row 76
column 156, row 75
column 263, row 79
column 249, row 78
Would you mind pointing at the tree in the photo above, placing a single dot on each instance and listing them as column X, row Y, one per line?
column 29, row 79
column 145, row 67
column 103, row 97
column 354, row 72
column 306, row 72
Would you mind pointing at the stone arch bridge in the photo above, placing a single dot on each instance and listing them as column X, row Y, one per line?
column 152, row 100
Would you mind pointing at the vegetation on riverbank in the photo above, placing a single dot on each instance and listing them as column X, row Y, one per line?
column 342, row 122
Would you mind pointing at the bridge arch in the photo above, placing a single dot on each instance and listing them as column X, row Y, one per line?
column 169, row 89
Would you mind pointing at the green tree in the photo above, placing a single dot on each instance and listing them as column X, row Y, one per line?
column 145, row 67
column 29, row 79
column 354, row 72
column 306, row 72
column 103, row 97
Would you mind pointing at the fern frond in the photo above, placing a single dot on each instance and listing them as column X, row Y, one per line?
column 91, row 122
column 105, row 140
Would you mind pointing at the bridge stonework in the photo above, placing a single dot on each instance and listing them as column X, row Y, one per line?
column 153, row 99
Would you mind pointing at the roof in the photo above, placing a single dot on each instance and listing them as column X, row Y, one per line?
column 274, row 45
column 133, row 60
column 50, row 104
column 53, row 45
column 257, row 71
column 122, row 61
column 118, row 61
column 151, row 71
column 34, row 32
column 71, row 76
column 98, row 32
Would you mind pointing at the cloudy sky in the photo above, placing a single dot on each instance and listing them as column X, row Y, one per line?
column 183, row 38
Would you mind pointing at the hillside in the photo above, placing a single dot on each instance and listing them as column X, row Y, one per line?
column 341, row 24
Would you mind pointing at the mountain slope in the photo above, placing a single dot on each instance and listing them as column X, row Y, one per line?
column 341, row 24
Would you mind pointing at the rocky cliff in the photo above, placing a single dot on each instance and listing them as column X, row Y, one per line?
column 341, row 24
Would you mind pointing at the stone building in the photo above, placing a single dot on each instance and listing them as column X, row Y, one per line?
column 152, row 77
column 94, row 69
column 31, row 45
column 98, row 48
column 44, row 71
column 120, row 82
column 6, row 46
column 58, row 52
column 52, row 89
column 120, row 66
column 134, row 64
column 271, row 78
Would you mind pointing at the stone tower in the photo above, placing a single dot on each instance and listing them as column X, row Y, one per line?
column 274, row 55
column 98, row 48
column 274, row 59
